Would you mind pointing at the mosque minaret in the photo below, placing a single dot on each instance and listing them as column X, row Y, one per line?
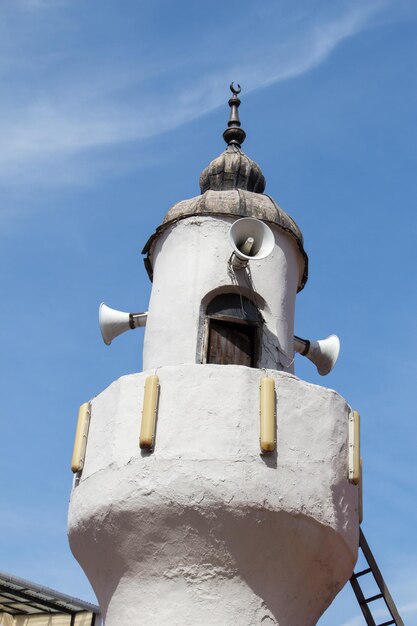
column 216, row 488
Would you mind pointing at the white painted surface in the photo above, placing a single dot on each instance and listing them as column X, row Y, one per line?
column 190, row 260
column 205, row 530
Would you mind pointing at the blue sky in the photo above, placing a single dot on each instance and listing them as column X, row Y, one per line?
column 109, row 112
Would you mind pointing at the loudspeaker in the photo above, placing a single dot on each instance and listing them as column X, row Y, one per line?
column 323, row 352
column 250, row 239
column 113, row 323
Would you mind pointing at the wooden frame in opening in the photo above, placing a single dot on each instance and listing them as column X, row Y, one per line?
column 233, row 326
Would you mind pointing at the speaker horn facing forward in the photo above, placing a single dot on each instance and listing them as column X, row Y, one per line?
column 323, row 353
column 250, row 239
column 113, row 323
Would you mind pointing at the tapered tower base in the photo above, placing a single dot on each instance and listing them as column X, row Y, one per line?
column 205, row 530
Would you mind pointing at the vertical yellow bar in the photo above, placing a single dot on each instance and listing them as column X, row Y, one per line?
column 267, row 415
column 150, row 404
column 360, row 495
column 354, row 447
column 81, row 434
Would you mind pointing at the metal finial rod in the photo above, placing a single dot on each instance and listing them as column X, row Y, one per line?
column 234, row 135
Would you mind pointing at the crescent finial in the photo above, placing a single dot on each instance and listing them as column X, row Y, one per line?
column 235, row 91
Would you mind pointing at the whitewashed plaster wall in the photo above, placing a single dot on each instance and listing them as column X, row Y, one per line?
column 205, row 530
column 190, row 260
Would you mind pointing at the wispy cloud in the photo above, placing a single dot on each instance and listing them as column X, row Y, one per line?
column 61, row 137
column 42, row 4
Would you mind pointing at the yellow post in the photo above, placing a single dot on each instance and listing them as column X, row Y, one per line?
column 360, row 495
column 267, row 415
column 354, row 448
column 81, row 435
column 150, row 405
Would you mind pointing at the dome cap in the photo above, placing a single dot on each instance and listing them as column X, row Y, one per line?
column 233, row 169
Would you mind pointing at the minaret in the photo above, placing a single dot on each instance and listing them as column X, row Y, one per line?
column 217, row 488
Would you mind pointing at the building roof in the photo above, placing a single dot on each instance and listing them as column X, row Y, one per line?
column 22, row 597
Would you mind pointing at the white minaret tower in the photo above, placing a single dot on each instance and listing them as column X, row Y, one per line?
column 215, row 487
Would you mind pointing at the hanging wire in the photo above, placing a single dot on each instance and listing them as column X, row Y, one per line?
column 249, row 279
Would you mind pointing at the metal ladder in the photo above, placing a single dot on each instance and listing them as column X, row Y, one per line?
column 364, row 603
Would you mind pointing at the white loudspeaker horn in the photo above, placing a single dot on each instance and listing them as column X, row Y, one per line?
column 323, row 353
column 250, row 239
column 113, row 323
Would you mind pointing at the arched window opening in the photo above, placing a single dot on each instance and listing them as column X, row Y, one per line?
column 234, row 324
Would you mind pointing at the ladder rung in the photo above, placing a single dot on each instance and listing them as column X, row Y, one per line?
column 364, row 571
column 364, row 603
column 379, row 595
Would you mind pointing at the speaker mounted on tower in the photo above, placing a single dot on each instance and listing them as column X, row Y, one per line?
column 251, row 240
column 113, row 323
column 323, row 352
